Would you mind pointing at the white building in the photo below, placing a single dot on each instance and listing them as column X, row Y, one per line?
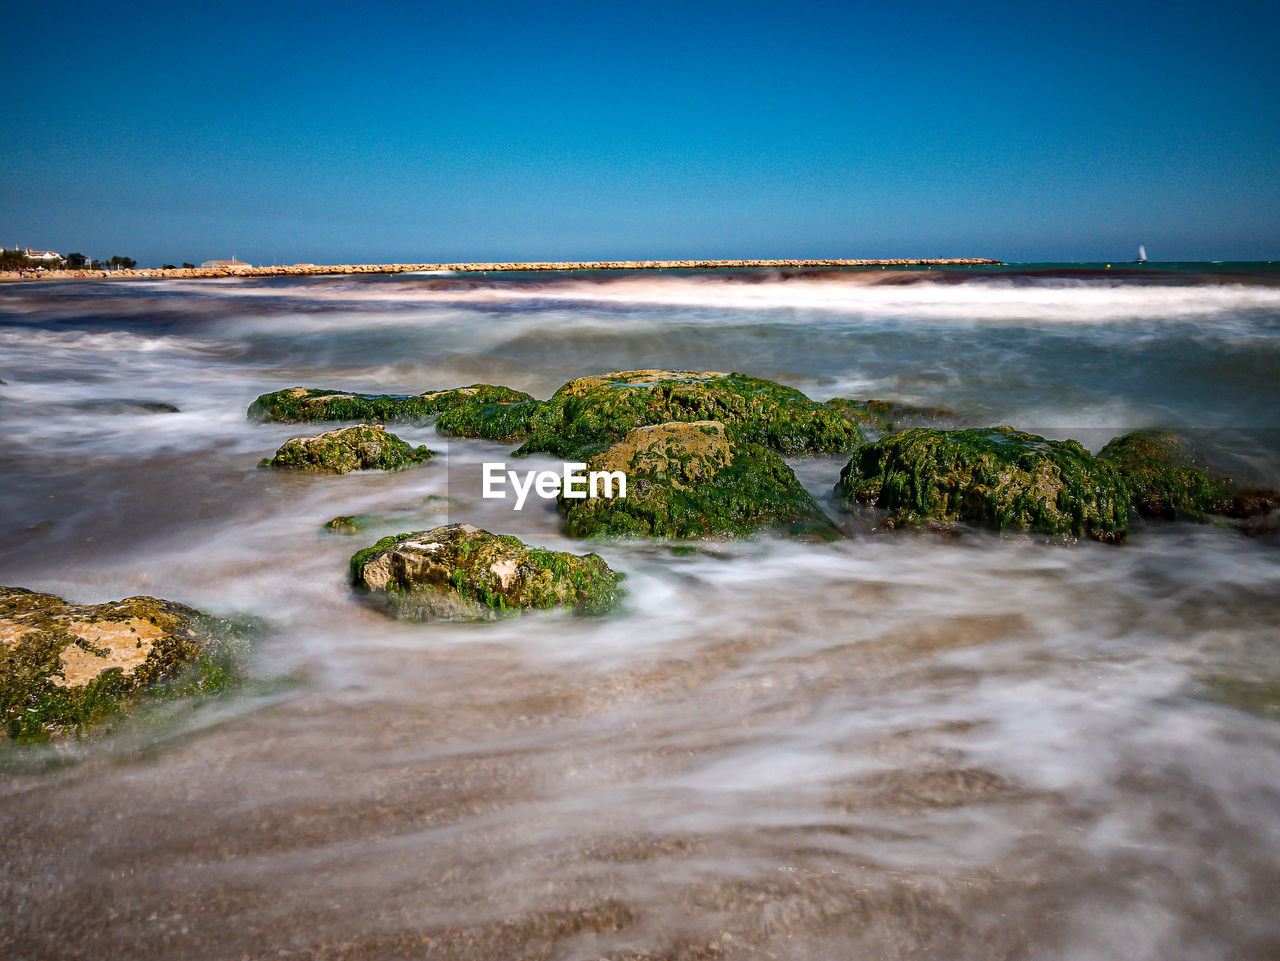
column 44, row 256
column 231, row 264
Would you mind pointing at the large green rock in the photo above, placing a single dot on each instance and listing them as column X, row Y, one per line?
column 362, row 447
column 459, row 572
column 693, row 480
column 991, row 477
column 306, row 404
column 589, row 413
column 64, row 667
column 1170, row 480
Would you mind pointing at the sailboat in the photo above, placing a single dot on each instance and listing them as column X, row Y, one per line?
column 1142, row 255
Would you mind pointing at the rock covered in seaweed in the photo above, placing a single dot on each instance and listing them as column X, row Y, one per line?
column 459, row 572
column 1169, row 479
column 886, row 416
column 64, row 667
column 362, row 447
column 990, row 477
column 508, row 422
column 693, row 480
column 589, row 413
column 306, row 404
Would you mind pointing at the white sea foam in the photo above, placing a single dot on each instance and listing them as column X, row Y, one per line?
column 990, row 300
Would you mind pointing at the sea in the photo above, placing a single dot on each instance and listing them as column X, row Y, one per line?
column 893, row 745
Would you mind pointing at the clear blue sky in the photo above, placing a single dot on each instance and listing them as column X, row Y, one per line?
column 331, row 132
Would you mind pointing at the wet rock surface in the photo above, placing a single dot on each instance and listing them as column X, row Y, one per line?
column 362, row 447
column 459, row 572
column 693, row 480
column 64, row 667
column 995, row 477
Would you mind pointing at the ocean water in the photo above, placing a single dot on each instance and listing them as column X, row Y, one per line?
column 892, row 746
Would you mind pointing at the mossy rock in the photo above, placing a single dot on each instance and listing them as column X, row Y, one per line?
column 362, row 447
column 65, row 667
column 1169, row 479
column 590, row 413
column 887, row 416
column 991, row 477
column 308, row 404
column 505, row 422
column 694, row 480
column 459, row 572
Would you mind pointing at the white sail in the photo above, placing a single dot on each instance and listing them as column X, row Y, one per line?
column 1142, row 254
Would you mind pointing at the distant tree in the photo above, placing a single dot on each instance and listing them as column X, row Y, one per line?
column 168, row 267
column 13, row 260
column 188, row 266
column 118, row 262
column 76, row 260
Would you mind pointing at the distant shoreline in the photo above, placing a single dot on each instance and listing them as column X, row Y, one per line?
column 304, row 270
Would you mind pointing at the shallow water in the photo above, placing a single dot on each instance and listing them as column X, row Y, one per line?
column 890, row 746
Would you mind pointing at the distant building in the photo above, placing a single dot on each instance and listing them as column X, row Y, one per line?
column 45, row 255
column 231, row 264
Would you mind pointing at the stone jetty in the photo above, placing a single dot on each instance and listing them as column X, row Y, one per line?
column 296, row 270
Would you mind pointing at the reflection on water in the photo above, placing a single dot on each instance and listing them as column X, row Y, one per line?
column 895, row 747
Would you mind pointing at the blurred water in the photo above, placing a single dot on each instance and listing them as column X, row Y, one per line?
column 895, row 747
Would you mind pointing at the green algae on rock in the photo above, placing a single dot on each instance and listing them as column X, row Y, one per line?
column 589, row 413
column 306, row 404
column 1169, row 480
column 362, row 447
column 64, row 667
column 459, row 572
column 502, row 421
column 689, row 480
column 991, row 477
column 886, row 416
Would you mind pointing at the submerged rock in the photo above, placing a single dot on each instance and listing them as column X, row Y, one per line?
column 362, row 447
column 305, row 404
column 459, row 572
column 992, row 477
column 125, row 405
column 347, row 524
column 886, row 416
column 589, row 413
column 1169, row 479
column 693, row 480
column 64, row 667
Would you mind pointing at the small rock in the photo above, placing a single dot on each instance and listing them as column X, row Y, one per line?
column 64, row 667
column 459, row 572
column 362, row 447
